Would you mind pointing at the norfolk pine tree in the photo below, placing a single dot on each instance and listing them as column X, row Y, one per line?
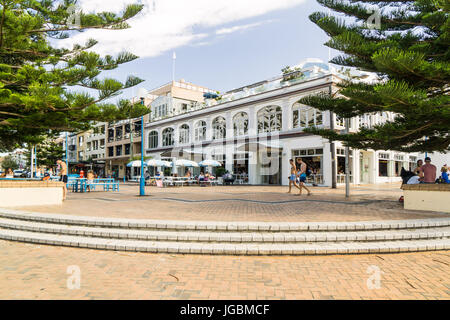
column 40, row 84
column 410, row 54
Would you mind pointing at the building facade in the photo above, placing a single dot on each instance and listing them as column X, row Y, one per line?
column 72, row 156
column 255, row 130
column 123, row 138
column 122, row 143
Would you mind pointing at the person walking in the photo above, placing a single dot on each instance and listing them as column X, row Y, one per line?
column 302, row 175
column 428, row 172
column 63, row 176
column 293, row 176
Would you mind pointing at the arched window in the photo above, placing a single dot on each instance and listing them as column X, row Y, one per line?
column 240, row 124
column 269, row 119
column 153, row 139
column 184, row 134
column 200, row 131
column 304, row 116
column 167, row 137
column 219, row 127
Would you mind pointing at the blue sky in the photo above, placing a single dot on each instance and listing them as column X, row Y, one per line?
column 220, row 53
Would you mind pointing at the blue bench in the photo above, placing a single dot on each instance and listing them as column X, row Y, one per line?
column 106, row 183
column 81, row 185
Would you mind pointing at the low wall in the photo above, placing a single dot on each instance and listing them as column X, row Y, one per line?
column 30, row 193
column 432, row 197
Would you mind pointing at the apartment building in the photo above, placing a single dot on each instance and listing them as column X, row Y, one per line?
column 123, row 138
column 256, row 129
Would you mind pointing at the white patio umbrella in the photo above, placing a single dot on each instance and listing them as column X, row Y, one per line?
column 186, row 163
column 135, row 163
column 158, row 163
column 209, row 163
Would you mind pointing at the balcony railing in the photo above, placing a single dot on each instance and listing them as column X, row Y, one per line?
column 266, row 86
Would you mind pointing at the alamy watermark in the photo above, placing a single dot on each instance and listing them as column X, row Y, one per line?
column 374, row 280
column 74, row 18
column 74, row 280
column 374, row 20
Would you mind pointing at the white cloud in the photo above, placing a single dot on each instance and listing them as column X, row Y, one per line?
column 167, row 24
column 241, row 27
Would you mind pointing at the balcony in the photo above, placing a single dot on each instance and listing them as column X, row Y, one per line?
column 280, row 82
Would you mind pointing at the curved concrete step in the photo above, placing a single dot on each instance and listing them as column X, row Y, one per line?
column 227, row 237
column 318, row 248
column 222, row 226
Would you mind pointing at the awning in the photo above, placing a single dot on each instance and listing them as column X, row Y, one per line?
column 135, row 163
column 186, row 163
column 269, row 146
column 179, row 153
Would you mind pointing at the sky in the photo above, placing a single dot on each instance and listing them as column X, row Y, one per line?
column 219, row 44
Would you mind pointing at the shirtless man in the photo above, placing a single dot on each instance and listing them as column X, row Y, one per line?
column 63, row 176
column 293, row 177
column 419, row 165
column 302, row 174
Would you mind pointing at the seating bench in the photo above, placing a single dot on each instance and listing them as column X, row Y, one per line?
column 430, row 197
column 114, row 186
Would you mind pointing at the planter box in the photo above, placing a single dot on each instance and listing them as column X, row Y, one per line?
column 30, row 193
column 431, row 197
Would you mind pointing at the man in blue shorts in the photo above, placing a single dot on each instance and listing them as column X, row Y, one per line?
column 302, row 175
column 293, row 176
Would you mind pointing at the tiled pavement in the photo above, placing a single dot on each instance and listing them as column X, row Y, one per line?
column 29, row 271
column 241, row 203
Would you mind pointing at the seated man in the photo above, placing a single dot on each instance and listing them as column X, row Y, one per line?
column 201, row 179
column 90, row 179
column 428, row 172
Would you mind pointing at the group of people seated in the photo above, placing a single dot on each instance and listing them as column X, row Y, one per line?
column 7, row 174
column 425, row 173
column 202, row 177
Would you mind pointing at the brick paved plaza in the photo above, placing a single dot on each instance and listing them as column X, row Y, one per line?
column 40, row 272
column 241, row 203
column 32, row 271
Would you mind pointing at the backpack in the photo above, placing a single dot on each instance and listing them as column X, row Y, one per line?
column 308, row 172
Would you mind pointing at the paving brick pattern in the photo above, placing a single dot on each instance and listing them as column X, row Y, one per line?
column 29, row 271
column 242, row 203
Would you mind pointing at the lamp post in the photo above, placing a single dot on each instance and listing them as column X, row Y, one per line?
column 35, row 161
column 67, row 148
column 142, row 180
column 32, row 162
column 347, row 160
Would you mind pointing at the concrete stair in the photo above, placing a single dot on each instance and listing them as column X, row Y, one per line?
column 239, row 238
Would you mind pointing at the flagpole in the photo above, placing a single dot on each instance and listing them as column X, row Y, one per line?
column 174, row 58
